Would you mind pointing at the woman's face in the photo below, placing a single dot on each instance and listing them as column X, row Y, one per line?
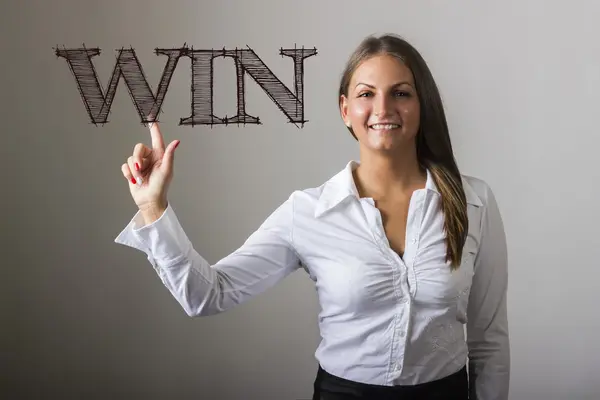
column 382, row 106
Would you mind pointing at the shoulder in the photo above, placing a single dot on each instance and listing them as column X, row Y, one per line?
column 309, row 194
column 489, row 215
column 327, row 194
column 315, row 201
column 307, row 200
column 298, row 205
column 478, row 190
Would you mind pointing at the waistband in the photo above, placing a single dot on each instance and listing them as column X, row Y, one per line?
column 452, row 387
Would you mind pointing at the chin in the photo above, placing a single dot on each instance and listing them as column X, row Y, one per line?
column 384, row 138
column 386, row 148
column 383, row 146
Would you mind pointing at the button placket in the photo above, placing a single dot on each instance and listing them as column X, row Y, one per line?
column 415, row 224
column 399, row 270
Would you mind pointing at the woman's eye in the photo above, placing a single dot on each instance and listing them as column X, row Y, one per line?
column 400, row 93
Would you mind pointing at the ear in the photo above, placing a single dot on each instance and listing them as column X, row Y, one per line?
column 344, row 109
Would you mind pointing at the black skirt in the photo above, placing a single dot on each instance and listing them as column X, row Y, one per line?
column 330, row 387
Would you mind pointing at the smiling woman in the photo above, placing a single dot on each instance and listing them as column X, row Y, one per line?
column 403, row 249
column 391, row 105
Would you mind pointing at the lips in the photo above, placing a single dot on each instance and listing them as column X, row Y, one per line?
column 385, row 126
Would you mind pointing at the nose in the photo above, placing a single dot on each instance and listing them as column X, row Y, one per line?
column 383, row 106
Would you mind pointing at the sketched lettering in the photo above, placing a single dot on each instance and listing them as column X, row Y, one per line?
column 98, row 101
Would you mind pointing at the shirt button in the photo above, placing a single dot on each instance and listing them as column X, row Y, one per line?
column 402, row 334
column 414, row 240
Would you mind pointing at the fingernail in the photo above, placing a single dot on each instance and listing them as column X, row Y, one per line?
column 177, row 144
column 133, row 180
column 137, row 166
column 140, row 180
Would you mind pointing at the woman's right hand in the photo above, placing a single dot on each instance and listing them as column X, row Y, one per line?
column 149, row 172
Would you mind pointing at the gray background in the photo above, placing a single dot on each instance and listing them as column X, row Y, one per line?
column 85, row 318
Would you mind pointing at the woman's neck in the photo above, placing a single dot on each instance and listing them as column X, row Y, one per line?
column 383, row 177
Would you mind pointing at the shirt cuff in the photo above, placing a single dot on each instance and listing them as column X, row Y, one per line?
column 164, row 240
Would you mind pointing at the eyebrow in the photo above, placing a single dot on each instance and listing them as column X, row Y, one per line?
column 395, row 85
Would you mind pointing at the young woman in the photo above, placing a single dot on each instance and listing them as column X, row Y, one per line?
column 403, row 249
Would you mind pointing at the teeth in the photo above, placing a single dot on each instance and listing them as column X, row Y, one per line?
column 385, row 126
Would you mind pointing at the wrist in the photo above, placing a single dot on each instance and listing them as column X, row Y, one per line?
column 153, row 211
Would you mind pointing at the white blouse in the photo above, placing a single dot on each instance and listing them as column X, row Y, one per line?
column 384, row 319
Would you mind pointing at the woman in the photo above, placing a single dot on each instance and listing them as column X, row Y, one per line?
column 403, row 249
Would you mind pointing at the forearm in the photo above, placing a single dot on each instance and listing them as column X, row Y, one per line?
column 489, row 370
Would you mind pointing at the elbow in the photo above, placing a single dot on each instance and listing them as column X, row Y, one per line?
column 201, row 311
column 494, row 349
column 198, row 300
column 205, row 308
column 192, row 312
column 487, row 343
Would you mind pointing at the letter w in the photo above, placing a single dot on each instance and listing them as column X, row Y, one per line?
column 98, row 103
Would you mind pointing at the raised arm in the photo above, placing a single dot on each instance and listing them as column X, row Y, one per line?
column 487, row 326
column 265, row 258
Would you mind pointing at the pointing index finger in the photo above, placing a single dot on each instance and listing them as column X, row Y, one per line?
column 157, row 139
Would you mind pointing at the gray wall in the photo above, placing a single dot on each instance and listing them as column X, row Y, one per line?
column 88, row 319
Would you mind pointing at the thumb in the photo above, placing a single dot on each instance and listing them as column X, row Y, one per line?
column 169, row 154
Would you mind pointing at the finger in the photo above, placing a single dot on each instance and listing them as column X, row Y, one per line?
column 170, row 154
column 157, row 139
column 127, row 173
column 141, row 153
column 136, row 174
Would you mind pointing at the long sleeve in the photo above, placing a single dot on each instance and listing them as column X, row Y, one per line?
column 264, row 259
column 487, row 326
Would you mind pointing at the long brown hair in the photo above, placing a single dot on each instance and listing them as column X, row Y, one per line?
column 434, row 149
